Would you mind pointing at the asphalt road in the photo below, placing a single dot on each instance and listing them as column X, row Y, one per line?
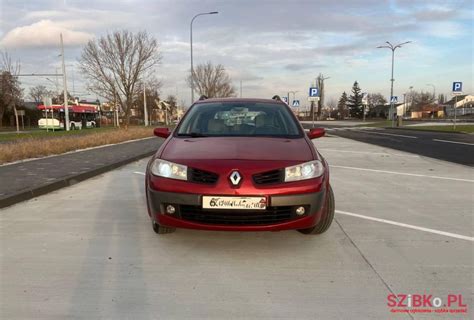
column 88, row 251
column 453, row 147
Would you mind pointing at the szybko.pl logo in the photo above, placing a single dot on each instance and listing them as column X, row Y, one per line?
column 426, row 303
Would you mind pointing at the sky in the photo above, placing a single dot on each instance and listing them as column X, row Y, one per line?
column 271, row 46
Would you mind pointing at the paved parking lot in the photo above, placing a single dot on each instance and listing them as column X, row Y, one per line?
column 88, row 251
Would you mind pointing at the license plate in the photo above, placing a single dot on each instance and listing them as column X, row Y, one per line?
column 234, row 203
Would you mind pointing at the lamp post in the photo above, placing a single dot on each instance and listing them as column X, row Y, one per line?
column 393, row 48
column 66, row 106
column 191, row 43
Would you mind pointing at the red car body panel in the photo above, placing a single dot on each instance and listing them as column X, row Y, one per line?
column 248, row 155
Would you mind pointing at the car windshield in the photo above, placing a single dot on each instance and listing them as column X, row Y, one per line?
column 239, row 119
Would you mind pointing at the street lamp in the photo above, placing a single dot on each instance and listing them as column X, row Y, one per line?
column 191, row 42
column 393, row 48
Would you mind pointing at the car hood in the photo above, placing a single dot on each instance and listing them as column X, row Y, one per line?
column 237, row 148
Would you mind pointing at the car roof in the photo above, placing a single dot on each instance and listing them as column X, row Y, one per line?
column 233, row 99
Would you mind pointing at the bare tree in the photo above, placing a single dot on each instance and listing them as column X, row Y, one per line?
column 375, row 99
column 10, row 90
column 212, row 81
column 115, row 64
column 38, row 93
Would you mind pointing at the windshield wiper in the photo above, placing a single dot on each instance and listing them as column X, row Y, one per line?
column 192, row 135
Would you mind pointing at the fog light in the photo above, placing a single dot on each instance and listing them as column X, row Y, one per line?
column 170, row 209
column 300, row 211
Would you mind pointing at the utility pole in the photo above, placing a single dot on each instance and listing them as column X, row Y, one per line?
column 434, row 99
column 145, row 111
column 66, row 109
column 320, row 83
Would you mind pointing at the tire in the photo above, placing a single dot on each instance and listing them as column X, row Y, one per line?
column 161, row 229
column 326, row 219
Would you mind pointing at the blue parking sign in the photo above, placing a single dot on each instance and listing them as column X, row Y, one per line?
column 457, row 87
column 314, row 92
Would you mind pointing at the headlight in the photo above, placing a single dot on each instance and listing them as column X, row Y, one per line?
column 307, row 170
column 166, row 169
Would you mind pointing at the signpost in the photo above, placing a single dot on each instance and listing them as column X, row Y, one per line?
column 296, row 103
column 313, row 95
column 285, row 99
column 457, row 90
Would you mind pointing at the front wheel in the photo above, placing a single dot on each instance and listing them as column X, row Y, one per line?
column 161, row 229
column 327, row 217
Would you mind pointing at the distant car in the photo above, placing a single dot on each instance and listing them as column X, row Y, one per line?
column 239, row 165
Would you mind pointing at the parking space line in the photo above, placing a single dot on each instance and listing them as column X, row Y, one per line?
column 141, row 173
column 403, row 173
column 390, row 134
column 367, row 152
column 448, row 141
column 409, row 226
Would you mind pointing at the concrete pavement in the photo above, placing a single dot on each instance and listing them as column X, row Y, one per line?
column 99, row 258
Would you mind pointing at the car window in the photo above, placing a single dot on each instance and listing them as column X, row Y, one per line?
column 239, row 119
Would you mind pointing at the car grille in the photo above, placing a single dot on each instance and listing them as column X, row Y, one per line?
column 269, row 177
column 237, row 217
column 201, row 176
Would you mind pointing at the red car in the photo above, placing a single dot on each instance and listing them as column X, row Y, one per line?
column 239, row 165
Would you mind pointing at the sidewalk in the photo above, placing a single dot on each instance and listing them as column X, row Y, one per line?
column 25, row 180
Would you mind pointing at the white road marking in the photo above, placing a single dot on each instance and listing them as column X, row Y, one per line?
column 409, row 226
column 390, row 134
column 367, row 152
column 439, row 140
column 141, row 173
column 403, row 173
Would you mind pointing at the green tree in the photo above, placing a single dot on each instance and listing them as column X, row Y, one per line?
column 342, row 106
column 355, row 101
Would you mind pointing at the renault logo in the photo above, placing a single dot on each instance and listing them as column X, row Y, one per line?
column 235, row 178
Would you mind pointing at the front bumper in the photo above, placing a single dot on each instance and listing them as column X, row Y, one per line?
column 280, row 214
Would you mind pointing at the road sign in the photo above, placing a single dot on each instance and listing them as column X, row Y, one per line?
column 313, row 92
column 457, row 87
column 365, row 97
column 394, row 99
column 285, row 99
column 296, row 103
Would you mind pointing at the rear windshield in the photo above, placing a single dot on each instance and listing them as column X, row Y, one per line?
column 239, row 119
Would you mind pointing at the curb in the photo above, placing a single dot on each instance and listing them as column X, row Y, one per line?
column 66, row 182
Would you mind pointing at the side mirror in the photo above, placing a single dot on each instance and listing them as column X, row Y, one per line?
column 162, row 132
column 316, row 133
